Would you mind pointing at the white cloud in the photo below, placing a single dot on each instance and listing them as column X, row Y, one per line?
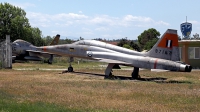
column 64, row 16
column 62, row 19
column 101, row 21
column 102, row 29
column 162, row 23
column 86, row 29
column 130, row 18
column 77, row 24
column 87, row 33
column 139, row 21
column 142, row 26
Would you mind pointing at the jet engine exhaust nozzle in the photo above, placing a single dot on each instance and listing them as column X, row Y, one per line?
column 185, row 68
column 188, row 68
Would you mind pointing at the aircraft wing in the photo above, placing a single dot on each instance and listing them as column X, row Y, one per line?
column 41, row 54
column 113, row 61
column 107, row 57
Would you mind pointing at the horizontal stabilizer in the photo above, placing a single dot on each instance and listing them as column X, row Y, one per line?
column 33, row 58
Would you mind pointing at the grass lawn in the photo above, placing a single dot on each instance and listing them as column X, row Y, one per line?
column 87, row 90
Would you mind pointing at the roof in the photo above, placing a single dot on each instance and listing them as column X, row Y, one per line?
column 183, row 41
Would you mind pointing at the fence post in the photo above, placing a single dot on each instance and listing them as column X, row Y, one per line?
column 8, row 53
column 1, row 56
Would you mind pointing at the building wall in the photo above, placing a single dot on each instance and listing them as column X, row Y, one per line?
column 190, row 52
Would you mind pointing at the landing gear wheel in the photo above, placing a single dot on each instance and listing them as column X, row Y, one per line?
column 110, row 76
column 49, row 62
column 13, row 61
column 70, row 69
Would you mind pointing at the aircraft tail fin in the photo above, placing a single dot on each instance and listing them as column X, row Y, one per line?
column 166, row 47
column 55, row 40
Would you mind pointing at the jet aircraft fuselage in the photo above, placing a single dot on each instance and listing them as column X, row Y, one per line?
column 163, row 55
column 23, row 50
column 19, row 51
column 96, row 50
column 81, row 48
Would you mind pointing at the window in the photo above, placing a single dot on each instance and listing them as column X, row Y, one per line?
column 191, row 52
column 197, row 56
column 194, row 53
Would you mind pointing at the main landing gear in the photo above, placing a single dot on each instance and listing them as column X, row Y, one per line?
column 108, row 72
column 135, row 73
column 70, row 68
column 50, row 60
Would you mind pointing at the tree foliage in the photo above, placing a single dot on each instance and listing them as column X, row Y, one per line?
column 134, row 45
column 122, row 42
column 128, row 44
column 65, row 41
column 147, row 38
column 150, row 43
column 49, row 39
column 13, row 22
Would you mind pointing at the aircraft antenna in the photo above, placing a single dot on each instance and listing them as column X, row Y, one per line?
column 186, row 19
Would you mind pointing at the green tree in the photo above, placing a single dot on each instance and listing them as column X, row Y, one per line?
column 65, row 41
column 48, row 40
column 134, row 45
column 122, row 42
column 81, row 38
column 150, row 43
column 127, row 46
column 147, row 36
column 13, row 22
column 36, row 36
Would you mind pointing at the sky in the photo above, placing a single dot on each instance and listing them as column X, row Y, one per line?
column 108, row 19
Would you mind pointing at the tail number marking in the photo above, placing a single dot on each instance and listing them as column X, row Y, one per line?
column 165, row 52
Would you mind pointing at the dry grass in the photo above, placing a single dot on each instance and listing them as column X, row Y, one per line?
column 157, row 91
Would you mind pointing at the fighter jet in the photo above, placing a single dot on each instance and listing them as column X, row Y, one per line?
column 23, row 51
column 164, row 54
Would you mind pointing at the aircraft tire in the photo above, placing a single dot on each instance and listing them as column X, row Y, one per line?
column 13, row 61
column 70, row 69
column 110, row 76
column 49, row 62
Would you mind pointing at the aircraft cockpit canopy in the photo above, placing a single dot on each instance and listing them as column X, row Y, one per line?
column 22, row 42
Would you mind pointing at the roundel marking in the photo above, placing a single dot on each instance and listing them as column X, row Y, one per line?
column 90, row 54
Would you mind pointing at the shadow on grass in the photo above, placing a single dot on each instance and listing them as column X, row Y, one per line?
column 149, row 79
column 175, row 81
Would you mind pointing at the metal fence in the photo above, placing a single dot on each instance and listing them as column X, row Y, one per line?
column 6, row 53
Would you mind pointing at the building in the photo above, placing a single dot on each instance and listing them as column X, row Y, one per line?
column 190, row 52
